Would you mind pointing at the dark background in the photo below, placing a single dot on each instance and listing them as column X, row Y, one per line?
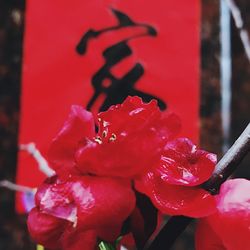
column 13, row 232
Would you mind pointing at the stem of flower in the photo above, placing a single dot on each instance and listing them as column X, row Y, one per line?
column 229, row 162
column 225, row 167
column 106, row 246
column 12, row 186
column 41, row 161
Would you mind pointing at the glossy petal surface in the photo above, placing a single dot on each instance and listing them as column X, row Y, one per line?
column 183, row 164
column 91, row 202
column 56, row 199
column 134, row 116
column 103, row 202
column 176, row 200
column 129, row 117
column 78, row 127
column 73, row 212
column 232, row 221
column 123, row 158
column 130, row 140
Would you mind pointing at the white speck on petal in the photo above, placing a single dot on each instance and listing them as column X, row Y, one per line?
column 136, row 111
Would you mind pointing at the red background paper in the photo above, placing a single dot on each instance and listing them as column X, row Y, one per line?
column 55, row 76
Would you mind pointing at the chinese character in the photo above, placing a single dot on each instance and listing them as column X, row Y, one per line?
column 104, row 82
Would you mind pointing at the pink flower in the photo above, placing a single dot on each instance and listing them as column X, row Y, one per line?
column 93, row 192
column 128, row 142
column 92, row 195
column 229, row 227
column 173, row 186
column 80, row 205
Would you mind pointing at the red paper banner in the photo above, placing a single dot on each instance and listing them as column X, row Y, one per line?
column 95, row 53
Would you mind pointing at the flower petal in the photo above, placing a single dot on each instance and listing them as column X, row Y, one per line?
column 122, row 158
column 78, row 126
column 45, row 229
column 206, row 238
column 168, row 126
column 176, row 200
column 88, row 201
column 130, row 140
column 183, row 164
column 232, row 221
column 132, row 115
column 54, row 197
column 102, row 202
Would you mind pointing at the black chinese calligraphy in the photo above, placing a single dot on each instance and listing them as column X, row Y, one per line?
column 117, row 89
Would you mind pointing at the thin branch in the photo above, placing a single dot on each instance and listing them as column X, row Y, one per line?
column 244, row 36
column 35, row 153
column 14, row 187
column 225, row 167
column 229, row 162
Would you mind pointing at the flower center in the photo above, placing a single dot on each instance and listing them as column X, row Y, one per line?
column 105, row 138
column 104, row 135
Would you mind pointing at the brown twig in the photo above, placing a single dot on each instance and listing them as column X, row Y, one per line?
column 229, row 162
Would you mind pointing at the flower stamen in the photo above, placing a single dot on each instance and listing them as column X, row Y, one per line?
column 104, row 134
column 112, row 137
column 98, row 139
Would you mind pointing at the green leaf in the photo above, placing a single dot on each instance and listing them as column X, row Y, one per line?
column 106, row 246
column 117, row 242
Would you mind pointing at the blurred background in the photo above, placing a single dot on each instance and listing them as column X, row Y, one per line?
column 224, row 110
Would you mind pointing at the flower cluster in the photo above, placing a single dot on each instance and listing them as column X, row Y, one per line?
column 136, row 149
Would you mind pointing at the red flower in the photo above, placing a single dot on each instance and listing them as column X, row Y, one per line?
column 173, row 185
column 229, row 227
column 128, row 142
column 91, row 196
column 58, row 234
column 80, row 205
